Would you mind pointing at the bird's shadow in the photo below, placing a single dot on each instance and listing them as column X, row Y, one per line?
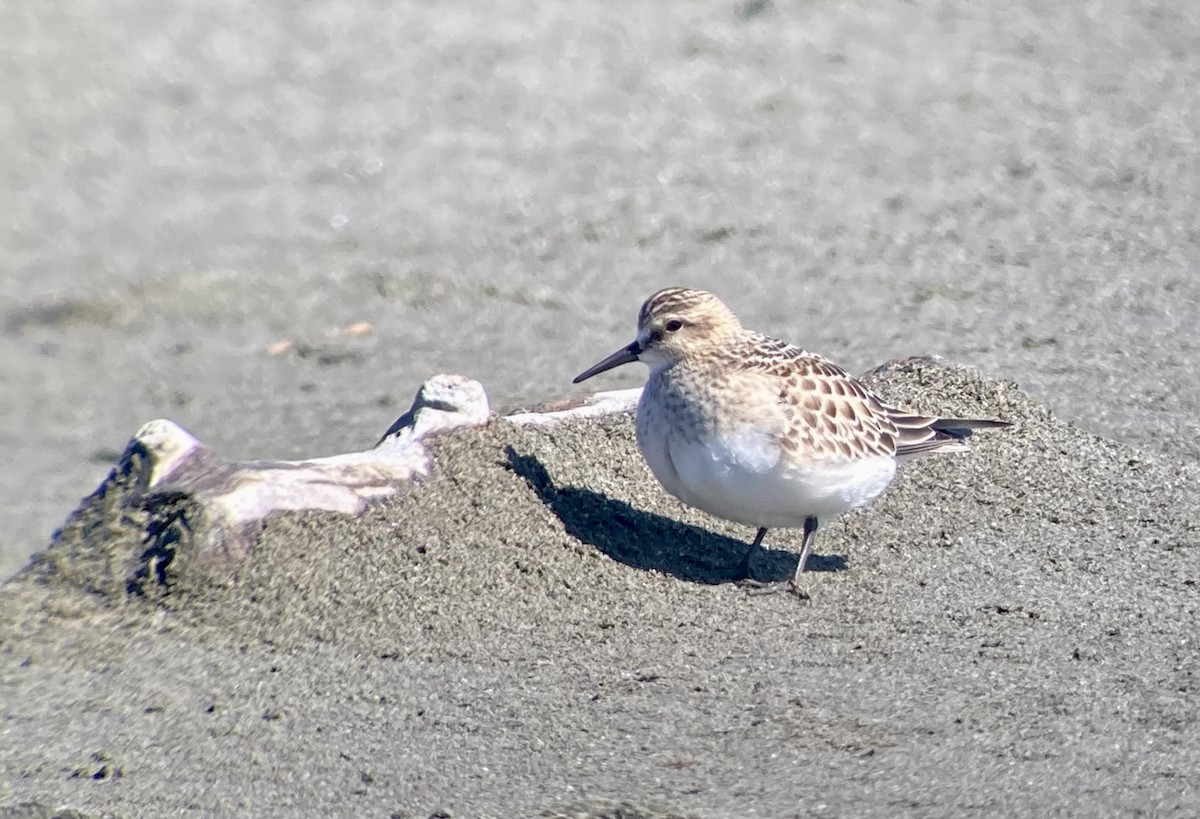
column 648, row 541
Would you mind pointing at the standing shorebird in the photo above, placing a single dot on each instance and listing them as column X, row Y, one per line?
column 757, row 431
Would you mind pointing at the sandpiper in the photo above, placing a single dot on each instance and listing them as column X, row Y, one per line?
column 760, row 432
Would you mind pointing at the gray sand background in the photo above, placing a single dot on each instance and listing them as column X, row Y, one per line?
column 1009, row 185
column 1012, row 186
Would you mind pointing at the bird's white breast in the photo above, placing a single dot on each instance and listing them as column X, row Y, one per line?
column 739, row 470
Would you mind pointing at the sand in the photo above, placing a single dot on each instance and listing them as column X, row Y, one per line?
column 496, row 190
column 539, row 630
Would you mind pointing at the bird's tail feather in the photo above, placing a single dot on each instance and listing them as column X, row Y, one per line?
column 962, row 427
column 919, row 434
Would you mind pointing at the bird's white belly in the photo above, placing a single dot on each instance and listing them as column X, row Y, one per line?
column 747, row 478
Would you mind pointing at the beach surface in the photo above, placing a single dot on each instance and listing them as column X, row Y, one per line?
column 539, row 630
column 272, row 224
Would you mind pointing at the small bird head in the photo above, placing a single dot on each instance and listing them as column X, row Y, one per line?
column 673, row 324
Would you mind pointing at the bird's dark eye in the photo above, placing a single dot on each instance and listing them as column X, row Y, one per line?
column 673, row 325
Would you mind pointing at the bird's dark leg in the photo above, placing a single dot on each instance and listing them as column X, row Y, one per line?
column 758, row 539
column 810, row 528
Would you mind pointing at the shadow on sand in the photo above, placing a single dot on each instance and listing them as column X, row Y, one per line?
column 648, row 541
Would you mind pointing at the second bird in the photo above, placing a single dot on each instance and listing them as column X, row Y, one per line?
column 757, row 431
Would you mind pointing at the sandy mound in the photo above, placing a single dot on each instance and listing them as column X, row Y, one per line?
column 538, row 627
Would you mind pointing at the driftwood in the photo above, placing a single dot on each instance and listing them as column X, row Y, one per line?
column 185, row 500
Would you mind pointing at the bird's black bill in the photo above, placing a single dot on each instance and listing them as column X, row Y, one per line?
column 621, row 356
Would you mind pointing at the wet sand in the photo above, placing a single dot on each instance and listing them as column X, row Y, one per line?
column 539, row 627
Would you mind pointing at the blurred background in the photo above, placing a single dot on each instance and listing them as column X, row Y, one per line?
column 270, row 221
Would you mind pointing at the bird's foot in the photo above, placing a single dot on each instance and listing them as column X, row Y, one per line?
column 793, row 588
column 753, row 587
column 756, row 588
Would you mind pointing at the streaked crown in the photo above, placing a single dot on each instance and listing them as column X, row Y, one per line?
column 677, row 309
